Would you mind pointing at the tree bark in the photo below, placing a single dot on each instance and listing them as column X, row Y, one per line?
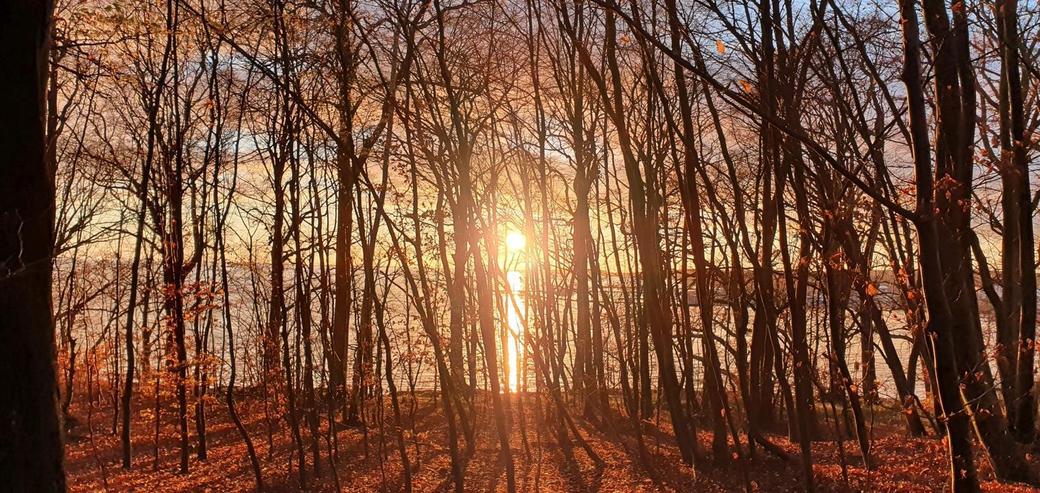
column 31, row 454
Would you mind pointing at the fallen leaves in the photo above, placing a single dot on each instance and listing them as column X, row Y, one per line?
column 903, row 464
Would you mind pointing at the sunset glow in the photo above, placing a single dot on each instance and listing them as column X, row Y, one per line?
column 516, row 241
column 519, row 246
column 516, row 326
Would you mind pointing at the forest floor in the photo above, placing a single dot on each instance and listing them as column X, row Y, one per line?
column 368, row 460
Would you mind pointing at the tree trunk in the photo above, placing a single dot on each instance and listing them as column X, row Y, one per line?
column 31, row 454
column 1018, row 253
column 940, row 330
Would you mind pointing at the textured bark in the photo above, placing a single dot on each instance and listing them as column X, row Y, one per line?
column 955, row 134
column 1019, row 258
column 31, row 455
column 940, row 330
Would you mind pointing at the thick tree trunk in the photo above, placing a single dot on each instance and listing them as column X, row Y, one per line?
column 1019, row 256
column 584, row 372
column 940, row 330
column 31, row 455
column 955, row 117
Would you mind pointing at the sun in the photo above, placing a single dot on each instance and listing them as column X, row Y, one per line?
column 516, row 240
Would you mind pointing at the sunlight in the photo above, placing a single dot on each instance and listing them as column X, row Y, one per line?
column 515, row 305
column 516, row 241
